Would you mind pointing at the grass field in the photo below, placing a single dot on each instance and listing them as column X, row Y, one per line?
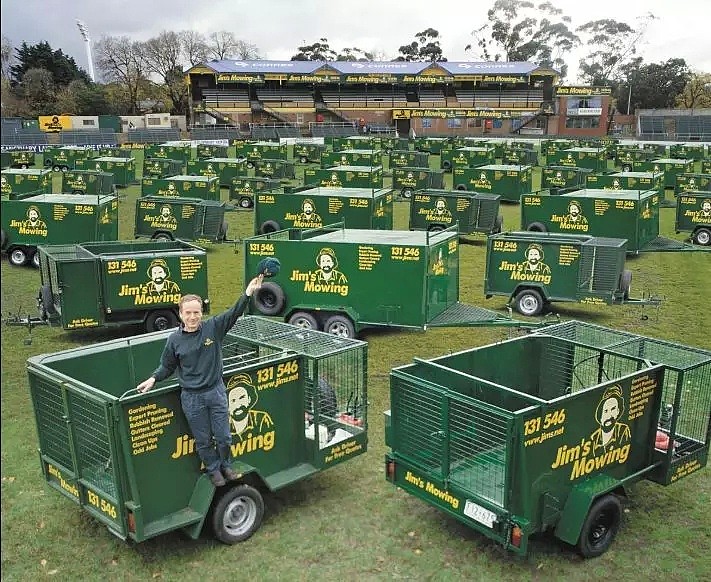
column 348, row 522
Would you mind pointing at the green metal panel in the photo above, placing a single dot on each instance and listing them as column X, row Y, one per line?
column 356, row 142
column 408, row 180
column 693, row 211
column 432, row 145
column 276, row 169
column 442, row 208
column 689, row 182
column 687, row 151
column 18, row 159
column 65, row 156
column 706, row 166
column 520, row 156
column 625, row 157
column 56, row 219
column 466, row 157
column 211, row 150
column 627, row 181
column 123, row 169
column 87, row 182
column 511, row 182
column 394, row 143
column 558, row 178
column 408, row 159
column 162, row 167
column 169, row 151
column 244, row 188
column 581, row 157
column 669, row 166
column 205, row 187
column 309, row 152
column 550, row 146
column 78, row 295
column 345, row 177
column 570, row 267
column 317, row 207
column 226, row 169
column 110, row 122
column 259, row 150
column 184, row 218
column 366, row 264
column 352, row 157
column 19, row 181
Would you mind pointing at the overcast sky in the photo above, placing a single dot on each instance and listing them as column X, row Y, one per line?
column 278, row 27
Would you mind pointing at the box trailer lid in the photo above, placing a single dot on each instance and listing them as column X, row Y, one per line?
column 384, row 237
column 504, row 167
column 636, row 174
column 355, row 168
column 345, row 192
column 26, row 171
column 615, row 194
column 84, row 199
column 186, row 178
column 224, row 160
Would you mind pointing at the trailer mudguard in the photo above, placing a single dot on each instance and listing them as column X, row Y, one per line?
column 578, row 505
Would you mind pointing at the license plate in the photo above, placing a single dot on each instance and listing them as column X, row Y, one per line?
column 479, row 513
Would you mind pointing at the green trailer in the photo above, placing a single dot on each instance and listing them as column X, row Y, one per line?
column 466, row 157
column 519, row 156
column 534, row 269
column 205, row 151
column 706, row 166
column 627, row 214
column 670, row 167
column 356, row 142
column 307, row 152
column 107, row 284
column 345, row 177
column 551, row 146
column 554, row 442
column 432, row 145
column 191, row 219
column 511, row 182
column 162, row 167
column 22, row 159
column 169, row 150
column 627, row 181
column 275, row 169
column 258, row 150
column 389, row 144
column 581, row 157
column 63, row 158
column 661, row 149
column 408, row 159
column 435, row 210
column 558, row 179
column 352, row 158
column 205, row 187
column 407, row 181
column 226, row 169
column 345, row 280
column 316, row 207
column 55, row 219
column 693, row 215
column 87, row 182
column 243, row 189
column 129, row 461
column 688, row 182
column 689, row 151
column 19, row 181
column 627, row 156
column 123, row 169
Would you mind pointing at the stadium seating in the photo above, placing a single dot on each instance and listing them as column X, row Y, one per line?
column 208, row 133
column 88, row 137
column 288, row 132
column 23, row 136
column 153, row 135
column 215, row 98
column 286, row 97
column 263, row 132
column 354, row 98
column 651, row 127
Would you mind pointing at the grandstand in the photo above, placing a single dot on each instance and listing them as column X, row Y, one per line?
column 679, row 124
column 88, row 137
column 214, row 133
column 23, row 137
column 224, row 99
column 286, row 97
column 153, row 135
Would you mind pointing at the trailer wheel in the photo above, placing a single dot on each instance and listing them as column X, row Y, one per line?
column 35, row 259
column 65, row 168
column 3, row 239
column 160, row 320
column 406, row 193
column 303, row 159
column 626, row 283
column 270, row 299
column 238, row 514
column 529, row 302
column 269, row 226
column 600, row 527
column 435, row 228
column 250, row 164
column 23, row 166
column 537, row 227
column 245, row 202
column 224, row 227
column 18, row 256
column 47, row 163
column 461, row 187
column 46, row 298
column 162, row 237
column 702, row 237
column 498, row 224
column 304, row 319
column 446, row 165
column 339, row 325
column 77, row 191
column 56, row 168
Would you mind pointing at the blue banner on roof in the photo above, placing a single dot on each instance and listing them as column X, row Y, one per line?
column 489, row 68
column 264, row 67
column 378, row 67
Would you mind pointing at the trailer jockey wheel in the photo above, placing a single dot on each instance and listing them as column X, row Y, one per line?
column 529, row 302
column 461, row 187
column 499, row 224
column 270, row 299
column 46, row 300
column 626, row 283
column 303, row 159
column 600, row 527
column 238, row 514
column 339, row 325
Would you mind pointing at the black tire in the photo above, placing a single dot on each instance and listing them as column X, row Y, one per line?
column 47, row 163
column 498, row 224
column 56, row 168
column 446, row 165
column 23, row 166
column 702, row 237
column 35, row 260
column 224, row 227
column 65, row 168
column 529, row 302
column 406, row 193
column 304, row 319
column 270, row 299
column 303, row 159
column 238, row 513
column 245, row 202
column 339, row 325
column 600, row 526
column 625, row 285
column 3, row 239
column 250, row 165
column 537, row 227
column 160, row 320
column 269, row 226
column 17, row 256
column 626, row 168
column 461, row 187
column 47, row 300
column 435, row 228
column 76, row 191
column 162, row 236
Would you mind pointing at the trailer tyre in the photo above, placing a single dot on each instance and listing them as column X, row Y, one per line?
column 35, row 259
column 47, row 300
column 435, row 228
column 162, row 236
column 3, row 239
column 461, row 187
column 224, row 227
column 304, row 319
column 702, row 237
column 245, row 202
column 626, row 283
column 237, row 514
column 529, row 302
column 407, row 193
column 18, row 256
column 446, row 165
column 537, row 227
column 303, row 159
column 269, row 226
column 339, row 325
column 270, row 299
column 498, row 224
column 161, row 320
column 600, row 527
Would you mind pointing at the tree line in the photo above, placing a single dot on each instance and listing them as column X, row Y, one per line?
column 135, row 75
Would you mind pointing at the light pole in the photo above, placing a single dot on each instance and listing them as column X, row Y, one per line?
column 85, row 35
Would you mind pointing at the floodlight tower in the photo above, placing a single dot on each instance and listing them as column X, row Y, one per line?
column 85, row 35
